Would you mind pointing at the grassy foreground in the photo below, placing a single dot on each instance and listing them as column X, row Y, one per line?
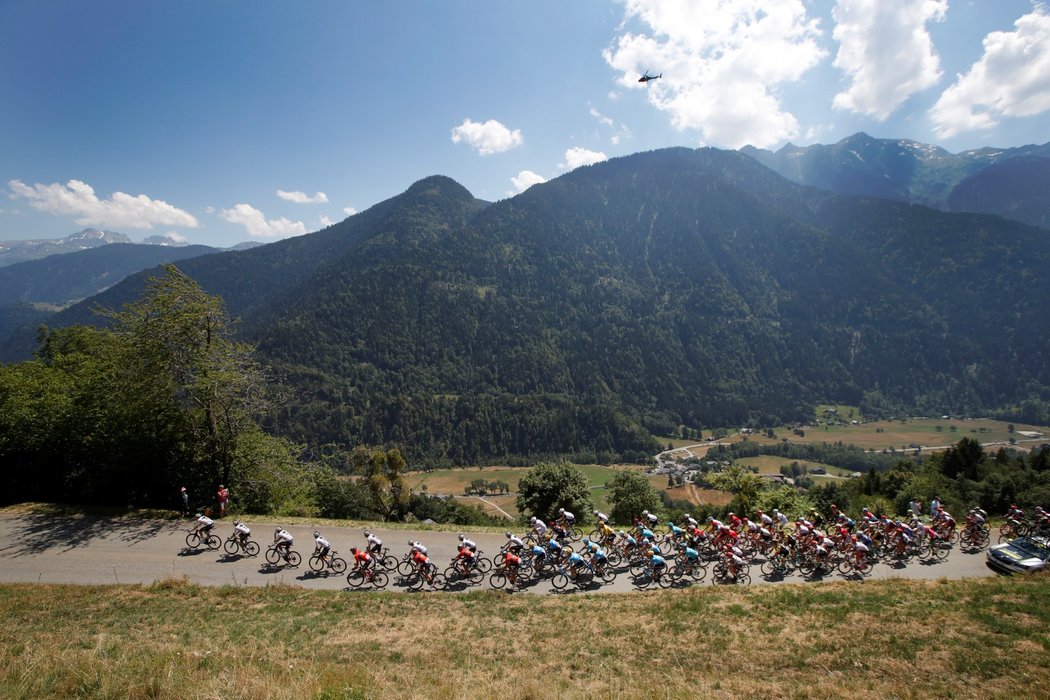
column 974, row 638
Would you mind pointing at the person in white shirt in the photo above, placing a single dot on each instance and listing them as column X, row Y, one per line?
column 283, row 541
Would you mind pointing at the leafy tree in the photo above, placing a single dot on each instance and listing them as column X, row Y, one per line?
column 386, row 483
column 181, row 342
column 630, row 493
column 553, row 485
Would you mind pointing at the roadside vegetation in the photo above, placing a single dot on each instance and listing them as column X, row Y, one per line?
column 982, row 638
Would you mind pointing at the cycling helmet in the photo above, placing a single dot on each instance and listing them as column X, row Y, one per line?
column 276, row 531
column 594, row 512
column 645, row 512
column 367, row 533
column 316, row 533
column 561, row 511
column 353, row 550
column 462, row 537
column 586, row 540
column 508, row 535
column 410, row 543
column 236, row 523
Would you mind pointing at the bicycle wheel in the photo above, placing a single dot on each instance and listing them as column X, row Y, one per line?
column 192, row 540
column 744, row 578
column 665, row 580
column 231, row 546
column 637, row 567
column 380, row 579
column 251, row 548
column 498, row 579
column 405, row 568
column 415, row 581
column 272, row 555
column 338, row 564
column 213, row 542
column 614, row 558
column 584, row 579
column 608, row 575
column 388, row 562
column 644, row 579
column 560, row 581
column 315, row 563
column 595, row 535
column 862, row 567
column 294, row 559
column 484, row 565
column 355, row 578
column 768, row 568
column 941, row 550
column 575, row 534
column 439, row 582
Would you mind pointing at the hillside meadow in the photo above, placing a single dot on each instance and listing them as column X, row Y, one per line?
column 978, row 638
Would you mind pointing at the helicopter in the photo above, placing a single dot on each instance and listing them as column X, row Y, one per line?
column 646, row 77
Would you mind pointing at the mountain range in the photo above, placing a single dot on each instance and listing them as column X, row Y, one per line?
column 1009, row 182
column 623, row 299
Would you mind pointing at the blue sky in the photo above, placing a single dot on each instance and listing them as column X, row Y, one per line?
column 217, row 122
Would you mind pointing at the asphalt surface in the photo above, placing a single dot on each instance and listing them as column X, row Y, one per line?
column 41, row 548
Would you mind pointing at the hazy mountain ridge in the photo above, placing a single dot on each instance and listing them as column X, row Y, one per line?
column 979, row 180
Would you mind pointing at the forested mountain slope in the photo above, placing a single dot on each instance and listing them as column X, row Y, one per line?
column 670, row 287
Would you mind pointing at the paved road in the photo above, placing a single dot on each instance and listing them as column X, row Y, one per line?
column 87, row 550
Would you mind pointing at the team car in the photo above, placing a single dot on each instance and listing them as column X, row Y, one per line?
column 1023, row 555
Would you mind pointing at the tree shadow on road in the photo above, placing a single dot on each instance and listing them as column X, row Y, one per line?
column 63, row 530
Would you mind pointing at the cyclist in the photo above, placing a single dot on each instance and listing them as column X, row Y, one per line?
column 362, row 559
column 657, row 563
column 282, row 542
column 607, row 534
column 689, row 522
column 539, row 527
column 555, row 549
column 573, row 566
column 566, row 519
column 511, row 564
column 465, row 559
column 375, row 545
column 781, row 519
column 600, row 517
column 241, row 531
column 321, row 547
column 764, row 520
column 650, row 519
column 203, row 526
column 860, row 550
column 514, row 543
column 419, row 555
column 469, row 544
column 733, row 561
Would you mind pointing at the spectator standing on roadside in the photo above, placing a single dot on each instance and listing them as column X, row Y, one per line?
column 223, row 495
column 185, row 496
column 915, row 507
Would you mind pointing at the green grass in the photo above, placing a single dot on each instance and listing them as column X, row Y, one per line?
column 977, row 638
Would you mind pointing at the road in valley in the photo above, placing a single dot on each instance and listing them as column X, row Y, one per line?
column 40, row 548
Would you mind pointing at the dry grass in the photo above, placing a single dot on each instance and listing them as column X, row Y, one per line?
column 979, row 638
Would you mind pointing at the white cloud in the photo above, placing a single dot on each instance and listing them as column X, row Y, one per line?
column 259, row 226
column 886, row 51
column 325, row 221
column 349, row 211
column 526, row 179
column 1011, row 79
column 302, row 197
column 120, row 211
column 619, row 133
column 576, row 156
column 723, row 62
column 487, row 138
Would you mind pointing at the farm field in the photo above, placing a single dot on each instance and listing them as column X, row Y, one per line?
column 454, row 482
column 770, row 464
column 901, row 435
column 979, row 638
